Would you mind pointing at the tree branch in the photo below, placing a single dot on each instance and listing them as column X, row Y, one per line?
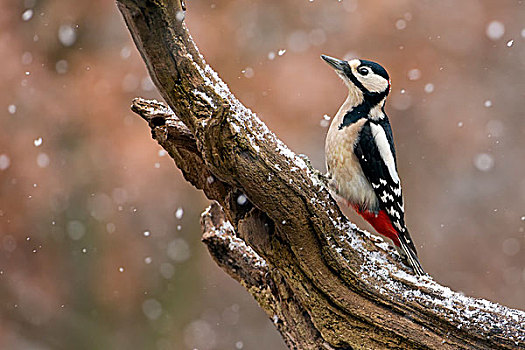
column 324, row 283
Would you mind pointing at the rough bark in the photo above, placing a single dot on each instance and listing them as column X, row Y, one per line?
column 274, row 227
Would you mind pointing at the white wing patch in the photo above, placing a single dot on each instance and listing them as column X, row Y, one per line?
column 396, row 190
column 393, row 212
column 386, row 197
column 384, row 150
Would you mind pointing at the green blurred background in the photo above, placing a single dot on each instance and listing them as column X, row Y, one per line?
column 99, row 233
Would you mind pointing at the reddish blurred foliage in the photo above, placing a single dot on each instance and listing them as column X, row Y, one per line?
column 81, row 180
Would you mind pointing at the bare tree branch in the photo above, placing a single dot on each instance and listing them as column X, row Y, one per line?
column 324, row 283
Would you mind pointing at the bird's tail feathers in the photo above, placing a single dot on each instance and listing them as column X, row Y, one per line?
column 411, row 256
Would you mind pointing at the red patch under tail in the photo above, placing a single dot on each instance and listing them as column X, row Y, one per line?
column 380, row 222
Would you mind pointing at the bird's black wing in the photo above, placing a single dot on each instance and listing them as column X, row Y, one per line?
column 374, row 151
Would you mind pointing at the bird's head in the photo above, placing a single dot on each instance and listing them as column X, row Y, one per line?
column 362, row 77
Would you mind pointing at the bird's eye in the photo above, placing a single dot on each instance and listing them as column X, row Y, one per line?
column 363, row 70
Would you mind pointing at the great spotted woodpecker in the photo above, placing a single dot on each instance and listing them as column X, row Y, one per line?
column 360, row 154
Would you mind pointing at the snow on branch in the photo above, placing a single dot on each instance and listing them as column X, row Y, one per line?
column 322, row 281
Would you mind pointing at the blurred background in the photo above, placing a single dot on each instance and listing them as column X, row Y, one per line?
column 99, row 233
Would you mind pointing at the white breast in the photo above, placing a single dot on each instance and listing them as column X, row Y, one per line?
column 348, row 179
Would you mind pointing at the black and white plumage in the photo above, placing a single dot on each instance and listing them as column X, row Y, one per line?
column 361, row 157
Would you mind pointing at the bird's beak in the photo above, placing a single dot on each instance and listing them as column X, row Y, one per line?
column 338, row 65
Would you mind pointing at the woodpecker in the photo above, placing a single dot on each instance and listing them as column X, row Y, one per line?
column 361, row 157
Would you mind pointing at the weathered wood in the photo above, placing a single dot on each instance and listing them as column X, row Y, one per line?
column 324, row 283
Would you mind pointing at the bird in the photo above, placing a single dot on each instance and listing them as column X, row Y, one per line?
column 361, row 156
